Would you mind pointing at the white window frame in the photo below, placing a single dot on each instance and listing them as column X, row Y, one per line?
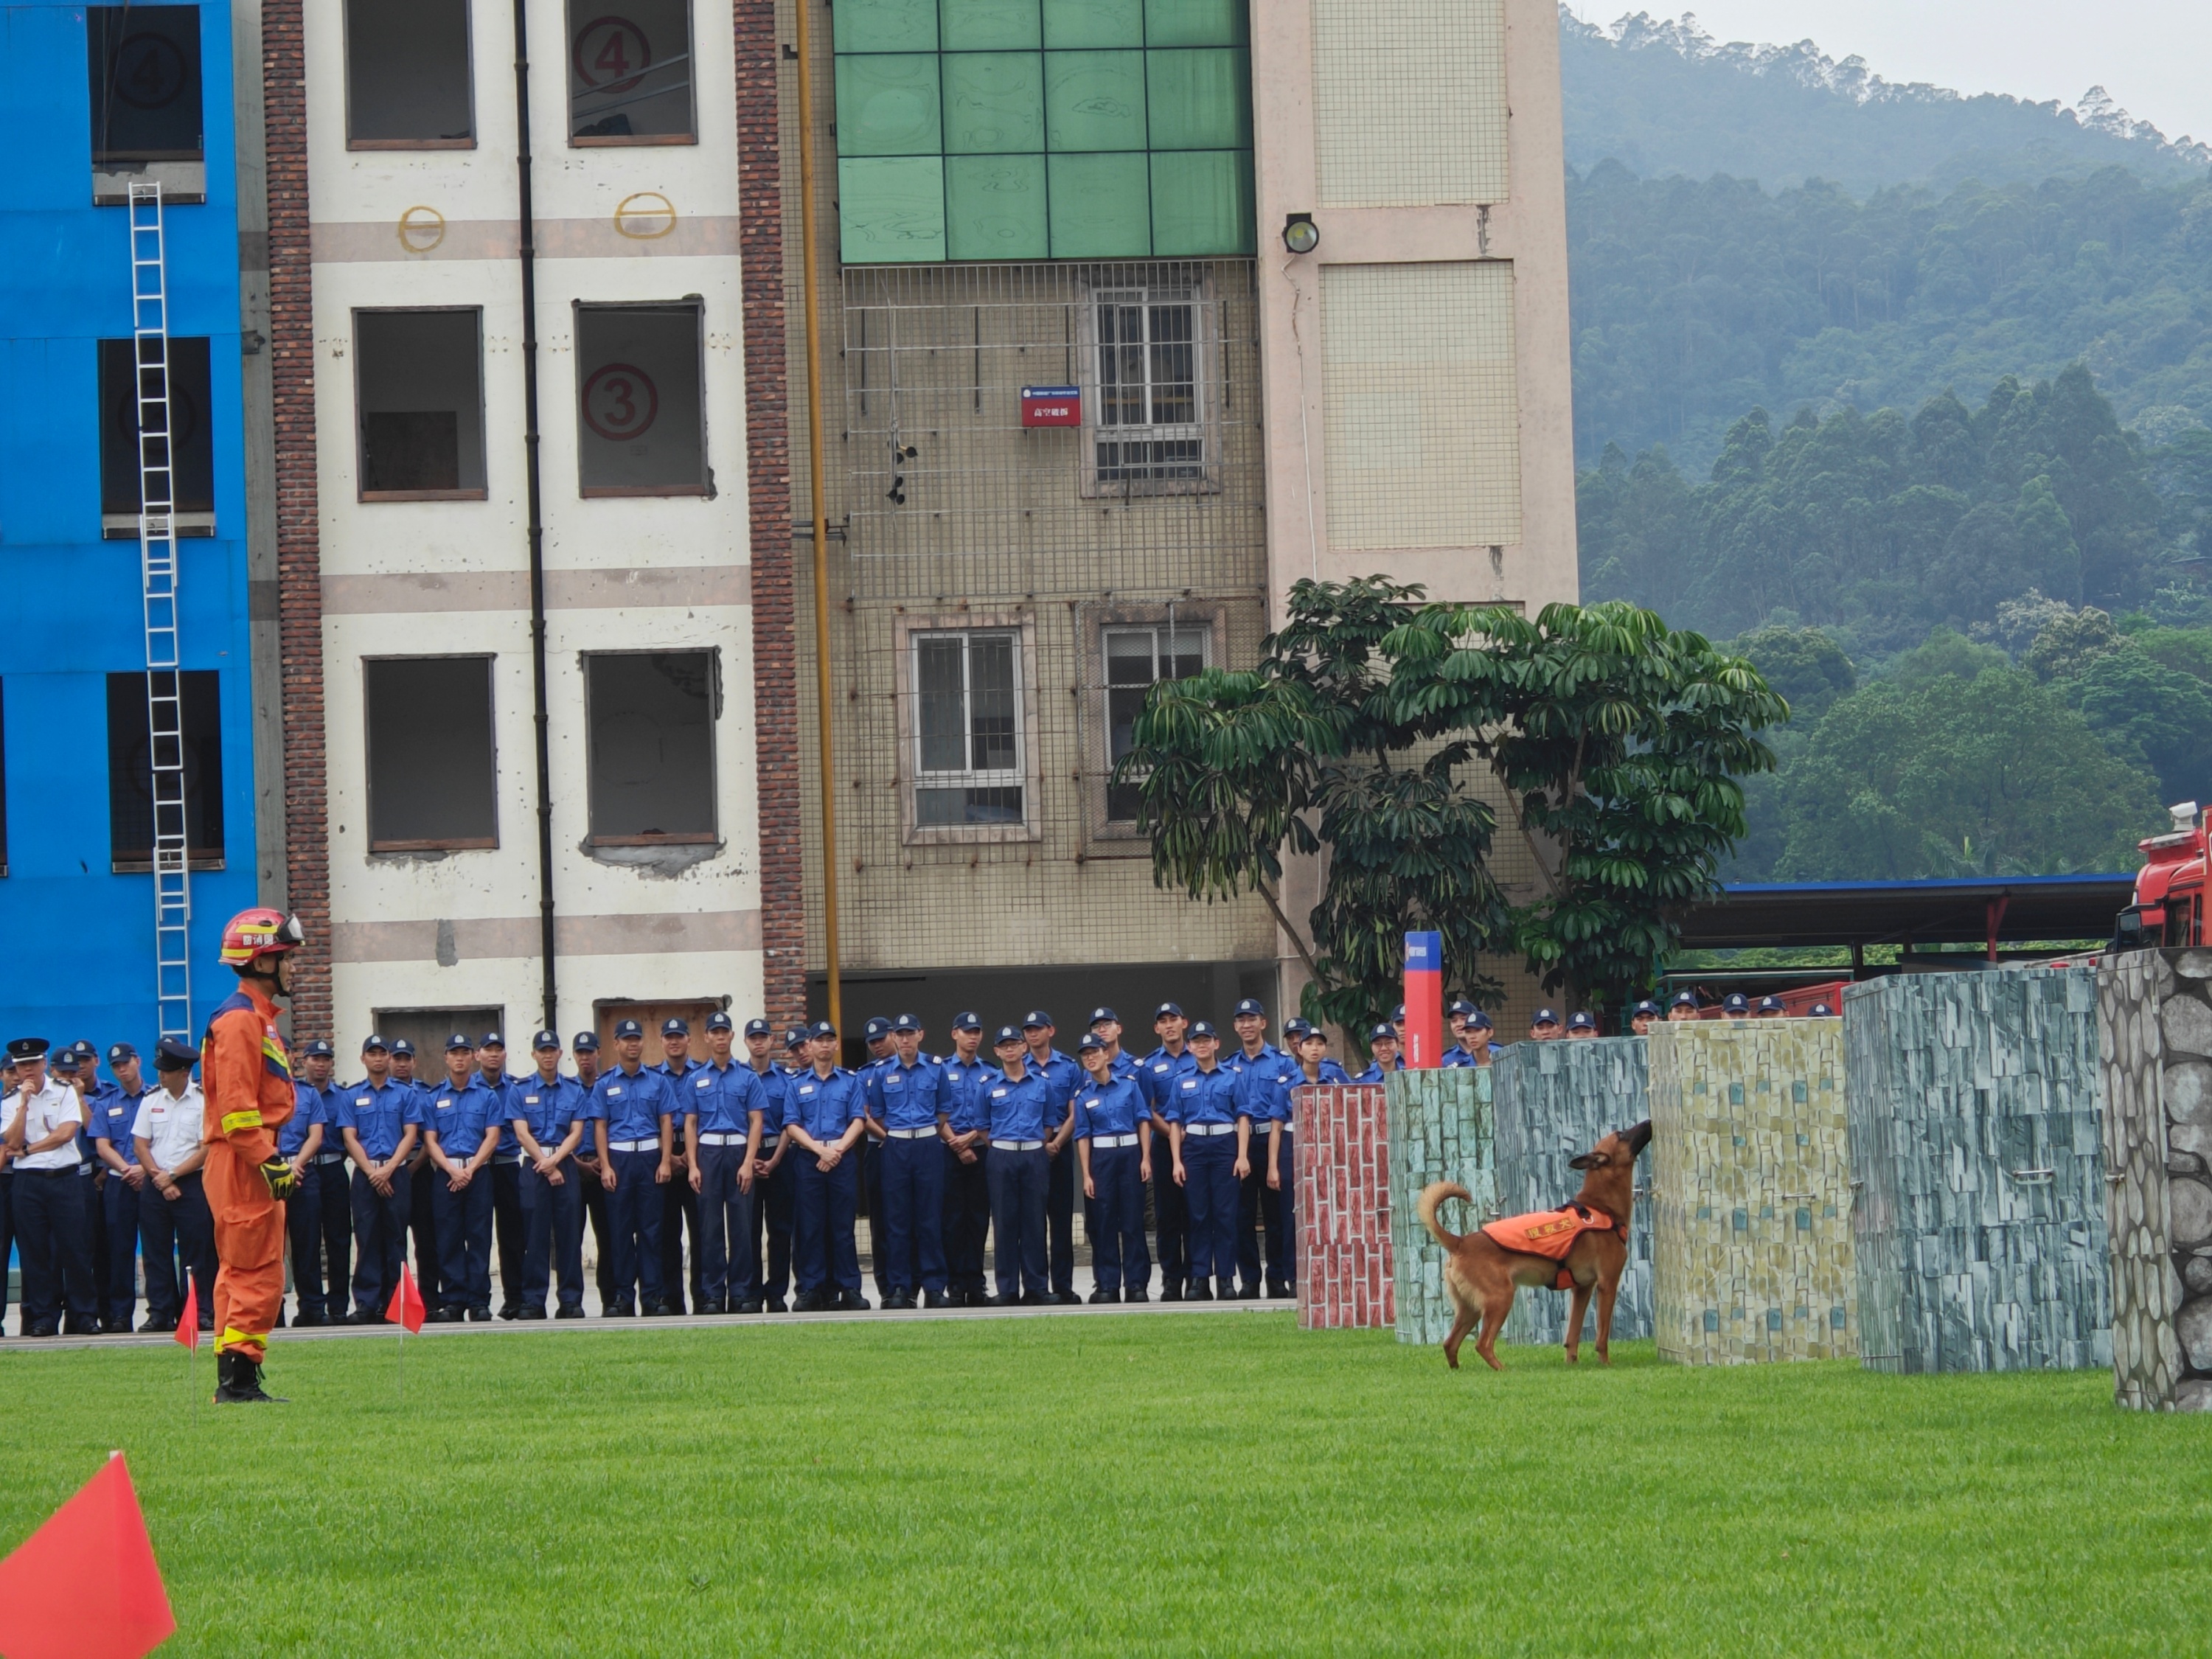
column 1026, row 774
column 1112, row 837
column 1148, row 286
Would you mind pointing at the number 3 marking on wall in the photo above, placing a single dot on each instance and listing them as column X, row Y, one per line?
column 620, row 402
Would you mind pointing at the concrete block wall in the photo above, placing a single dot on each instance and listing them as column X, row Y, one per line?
column 1344, row 1207
column 1979, row 1229
column 1440, row 1129
column 1751, row 1202
column 2154, row 1029
column 1555, row 1100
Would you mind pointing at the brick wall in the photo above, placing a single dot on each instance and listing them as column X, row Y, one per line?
column 1440, row 1128
column 299, row 560
column 767, row 471
column 1344, row 1209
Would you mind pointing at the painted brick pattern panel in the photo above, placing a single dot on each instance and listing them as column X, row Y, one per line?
column 2155, row 1035
column 1440, row 1129
column 1751, row 1192
column 1344, row 1207
column 1556, row 1101
column 1979, row 1229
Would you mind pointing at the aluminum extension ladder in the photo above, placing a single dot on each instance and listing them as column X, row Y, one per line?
column 157, row 558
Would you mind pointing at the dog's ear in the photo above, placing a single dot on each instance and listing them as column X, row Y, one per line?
column 1587, row 1161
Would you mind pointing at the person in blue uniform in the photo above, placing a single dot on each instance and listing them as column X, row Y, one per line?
column 1462, row 1051
column 774, row 1173
column 548, row 1122
column 1157, row 1074
column 1381, row 1054
column 632, row 1124
column 591, row 1191
column 378, row 1120
column 1211, row 1142
column 1735, row 1005
column 1771, row 1008
column 303, row 1142
column 1582, row 1025
column 462, row 1124
column 1316, row 1064
column 423, row 1182
column 71, row 1067
column 1544, row 1026
column 1017, row 1101
column 1264, row 1076
column 679, row 1204
column 722, row 1117
column 901, row 1104
column 876, row 1038
column 1684, row 1006
column 1482, row 1045
column 114, row 1110
column 826, row 1116
column 1063, row 1077
column 1114, row 1142
column 1106, row 1025
column 510, row 1224
column 963, row 1121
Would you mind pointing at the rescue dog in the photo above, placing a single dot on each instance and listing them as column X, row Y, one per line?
column 1582, row 1247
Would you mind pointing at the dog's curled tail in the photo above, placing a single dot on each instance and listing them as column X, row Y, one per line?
column 1432, row 1198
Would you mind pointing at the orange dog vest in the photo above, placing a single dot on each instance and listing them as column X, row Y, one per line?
column 1551, row 1233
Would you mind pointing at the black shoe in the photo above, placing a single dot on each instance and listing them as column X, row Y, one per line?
column 238, row 1382
column 80, row 1327
column 1248, row 1293
column 935, row 1299
column 1003, row 1300
column 513, row 1310
column 747, row 1306
column 529, row 1313
column 900, row 1299
column 1229, row 1290
column 566, row 1312
column 618, row 1311
column 1199, row 1290
column 480, row 1315
column 1135, row 1296
column 449, row 1315
column 667, row 1310
column 852, row 1302
column 43, row 1331
column 1282, row 1292
column 1099, row 1299
column 775, row 1304
column 307, row 1319
column 809, row 1302
column 1066, row 1299
column 158, row 1325
column 1170, row 1292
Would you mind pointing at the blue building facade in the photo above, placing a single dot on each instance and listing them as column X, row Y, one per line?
column 101, row 97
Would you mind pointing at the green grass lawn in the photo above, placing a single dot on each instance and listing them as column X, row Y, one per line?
column 1221, row 1484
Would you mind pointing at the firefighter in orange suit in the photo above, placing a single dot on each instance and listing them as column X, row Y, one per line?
column 247, row 1078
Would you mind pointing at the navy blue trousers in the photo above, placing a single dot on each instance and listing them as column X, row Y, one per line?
column 171, row 1231
column 634, row 1212
column 1018, row 1182
column 464, row 1239
column 966, row 1216
column 727, row 1236
column 1061, row 1182
column 553, row 1237
column 7, row 1234
column 1280, row 1210
column 1170, row 1216
column 510, row 1225
column 1114, row 1220
column 823, row 1248
column 51, row 1234
column 1209, row 1164
column 319, row 1219
column 119, row 1207
column 380, row 1238
column 913, row 1214
column 423, row 1221
column 870, row 1152
column 775, row 1208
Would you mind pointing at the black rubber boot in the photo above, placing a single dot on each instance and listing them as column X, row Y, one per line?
column 237, row 1381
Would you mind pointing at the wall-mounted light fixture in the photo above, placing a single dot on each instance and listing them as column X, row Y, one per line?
column 1300, row 234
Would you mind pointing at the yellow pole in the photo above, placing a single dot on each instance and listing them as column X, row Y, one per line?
column 823, row 712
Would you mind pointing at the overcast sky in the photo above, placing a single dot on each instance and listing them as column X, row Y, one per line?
column 2154, row 56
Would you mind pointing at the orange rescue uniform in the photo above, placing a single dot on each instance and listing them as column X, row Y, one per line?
column 1551, row 1233
column 245, row 1077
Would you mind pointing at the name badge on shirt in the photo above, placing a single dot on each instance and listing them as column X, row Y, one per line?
column 530, row 1100
column 997, row 1094
column 806, row 1088
column 115, row 1111
column 1189, row 1082
column 894, row 1082
column 363, row 1100
column 1091, row 1104
column 445, row 1105
column 614, row 1093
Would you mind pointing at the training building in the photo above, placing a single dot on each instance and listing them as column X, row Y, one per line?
column 1134, row 313
column 132, row 816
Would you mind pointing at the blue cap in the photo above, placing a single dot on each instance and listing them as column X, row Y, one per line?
column 1296, row 1027
column 67, row 1059
column 318, row 1049
column 1769, row 1005
column 1735, row 1003
column 492, row 1040
column 1386, row 1030
column 1251, row 1005
column 119, row 1052
column 1478, row 1021
column 629, row 1028
column 1203, row 1027
column 1397, row 1015
column 1821, row 1010
column 1100, row 1016
column 967, row 1020
column 795, row 1038
column 1545, row 1017
column 1007, row 1033
column 85, row 1050
column 676, row 1028
column 545, row 1040
column 759, row 1028
column 402, row 1046
column 822, row 1028
column 906, row 1023
column 718, row 1021
column 1089, row 1040
column 1167, row 1010
column 586, row 1043
column 1685, row 999
column 457, row 1040
column 876, row 1027
column 1459, row 1005
column 1036, row 1019
column 1646, row 1006
column 1581, row 1022
column 170, row 1055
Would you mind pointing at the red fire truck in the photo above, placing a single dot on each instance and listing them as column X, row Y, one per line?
column 2170, row 897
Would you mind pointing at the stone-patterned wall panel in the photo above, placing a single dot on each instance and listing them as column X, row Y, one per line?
column 1440, row 1130
column 1978, row 1219
column 1344, row 1207
column 1555, row 1101
column 1751, row 1199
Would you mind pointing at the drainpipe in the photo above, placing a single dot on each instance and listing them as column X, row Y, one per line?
column 527, row 225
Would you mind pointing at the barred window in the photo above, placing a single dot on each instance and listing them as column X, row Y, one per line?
column 968, row 735
column 1135, row 658
column 1149, row 404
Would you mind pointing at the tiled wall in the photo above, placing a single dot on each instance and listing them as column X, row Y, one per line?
column 1440, row 1130
column 1344, row 1209
column 1410, row 102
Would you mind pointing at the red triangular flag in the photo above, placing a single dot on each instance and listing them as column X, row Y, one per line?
column 188, row 1322
column 406, row 1305
column 85, row 1585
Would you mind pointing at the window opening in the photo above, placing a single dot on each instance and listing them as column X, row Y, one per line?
column 640, row 420
column 1136, row 659
column 418, row 381
column 131, row 760
column 629, row 72
column 651, row 718
column 408, row 83
column 191, row 457
column 433, row 775
column 1149, row 406
column 968, row 736
column 143, row 63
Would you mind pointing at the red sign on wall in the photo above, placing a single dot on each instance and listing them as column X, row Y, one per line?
column 1052, row 405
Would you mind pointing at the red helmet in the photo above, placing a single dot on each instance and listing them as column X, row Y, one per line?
column 253, row 934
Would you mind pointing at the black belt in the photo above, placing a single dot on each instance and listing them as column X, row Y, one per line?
column 72, row 1169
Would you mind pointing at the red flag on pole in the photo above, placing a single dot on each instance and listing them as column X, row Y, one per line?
column 188, row 1322
column 85, row 1585
column 406, row 1305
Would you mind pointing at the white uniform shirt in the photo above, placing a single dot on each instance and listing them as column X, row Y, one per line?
column 55, row 1104
column 171, row 1124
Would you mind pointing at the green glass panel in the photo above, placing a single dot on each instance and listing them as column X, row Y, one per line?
column 994, row 102
column 1200, row 100
column 995, row 207
column 887, row 105
column 1099, row 207
column 891, row 208
column 1195, row 23
column 1094, row 23
column 989, row 25
column 1201, row 203
column 1094, row 99
column 885, row 26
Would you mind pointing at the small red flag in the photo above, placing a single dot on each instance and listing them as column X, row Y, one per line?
column 188, row 1322
column 406, row 1305
column 85, row 1585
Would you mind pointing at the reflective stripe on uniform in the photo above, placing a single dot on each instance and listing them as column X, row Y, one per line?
column 248, row 1119
column 232, row 1336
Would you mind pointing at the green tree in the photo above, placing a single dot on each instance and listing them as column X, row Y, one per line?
column 2143, row 709
column 1805, row 667
column 2070, row 642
